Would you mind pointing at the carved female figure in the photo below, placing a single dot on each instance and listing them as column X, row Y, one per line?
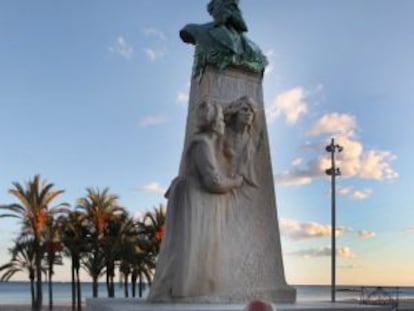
column 189, row 261
column 240, row 140
column 240, row 150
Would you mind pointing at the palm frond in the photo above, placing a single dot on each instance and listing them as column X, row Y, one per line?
column 50, row 196
column 17, row 208
column 9, row 215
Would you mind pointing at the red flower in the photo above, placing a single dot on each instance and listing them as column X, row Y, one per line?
column 159, row 233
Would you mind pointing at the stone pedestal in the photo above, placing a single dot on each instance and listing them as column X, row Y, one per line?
column 256, row 259
column 121, row 304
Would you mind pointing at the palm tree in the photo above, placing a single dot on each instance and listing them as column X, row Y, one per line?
column 73, row 231
column 128, row 242
column 116, row 244
column 143, row 266
column 111, row 249
column 153, row 227
column 151, row 232
column 125, row 271
column 22, row 261
column 101, row 208
column 94, row 264
column 136, row 259
column 53, row 247
column 33, row 209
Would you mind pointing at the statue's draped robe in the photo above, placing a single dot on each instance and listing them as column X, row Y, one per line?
column 188, row 266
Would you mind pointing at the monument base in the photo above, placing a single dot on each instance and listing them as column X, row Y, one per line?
column 283, row 295
column 133, row 304
column 251, row 265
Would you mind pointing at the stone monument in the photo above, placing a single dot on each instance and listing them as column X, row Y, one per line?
column 222, row 242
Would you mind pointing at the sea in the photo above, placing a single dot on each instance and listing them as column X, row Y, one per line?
column 13, row 292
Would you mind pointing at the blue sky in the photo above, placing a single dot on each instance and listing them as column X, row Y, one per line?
column 94, row 94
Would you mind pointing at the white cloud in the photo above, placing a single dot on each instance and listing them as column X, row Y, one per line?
column 365, row 234
column 375, row 164
column 295, row 230
column 153, row 32
column 289, row 179
column 361, row 194
column 154, row 54
column 371, row 164
column 353, row 161
column 183, row 97
column 270, row 67
column 299, row 176
column 152, row 120
column 297, row 162
column 344, row 190
column 356, row 194
column 349, row 160
column 122, row 48
column 152, row 187
column 342, row 252
column 410, row 228
column 290, row 104
column 334, row 123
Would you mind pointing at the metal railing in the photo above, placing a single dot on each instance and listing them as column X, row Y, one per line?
column 380, row 295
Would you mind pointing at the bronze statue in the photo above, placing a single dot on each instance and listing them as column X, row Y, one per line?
column 222, row 43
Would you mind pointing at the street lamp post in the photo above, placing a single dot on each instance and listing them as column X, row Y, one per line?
column 333, row 172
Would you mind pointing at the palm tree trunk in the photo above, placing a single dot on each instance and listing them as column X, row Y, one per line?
column 134, row 284
column 95, row 286
column 107, row 283
column 110, row 279
column 79, row 290
column 32, row 291
column 112, row 286
column 126, row 292
column 73, row 285
column 95, row 276
column 38, row 264
column 39, row 293
column 140, row 286
column 50, row 290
